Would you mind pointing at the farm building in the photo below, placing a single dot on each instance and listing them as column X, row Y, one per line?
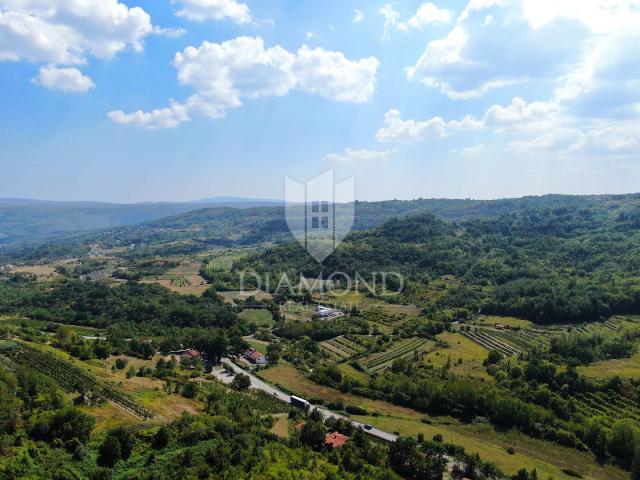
column 336, row 440
column 255, row 357
column 327, row 313
column 188, row 353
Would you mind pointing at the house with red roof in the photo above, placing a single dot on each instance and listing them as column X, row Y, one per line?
column 336, row 440
column 255, row 357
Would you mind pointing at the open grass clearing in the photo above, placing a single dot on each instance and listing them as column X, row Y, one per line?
column 548, row 458
column 43, row 272
column 491, row 320
column 258, row 316
column 230, row 296
column 281, row 425
column 460, row 348
column 259, row 345
column 622, row 367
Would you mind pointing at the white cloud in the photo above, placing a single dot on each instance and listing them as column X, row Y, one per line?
column 310, row 35
column 333, row 76
column 67, row 31
column 201, row 10
column 391, row 17
column 427, row 14
column 360, row 156
column 555, row 139
column 396, row 128
column 223, row 74
column 168, row 117
column 473, row 152
column 358, row 16
column 497, row 43
column 64, row 79
column 609, row 140
column 169, row 32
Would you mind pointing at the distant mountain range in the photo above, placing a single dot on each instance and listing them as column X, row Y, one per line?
column 29, row 219
column 180, row 228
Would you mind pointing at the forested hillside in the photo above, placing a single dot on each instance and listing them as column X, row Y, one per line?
column 205, row 228
column 572, row 263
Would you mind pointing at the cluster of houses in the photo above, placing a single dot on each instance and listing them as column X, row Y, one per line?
column 327, row 313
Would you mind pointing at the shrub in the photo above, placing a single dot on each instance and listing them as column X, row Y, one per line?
column 571, row 473
column 356, row 410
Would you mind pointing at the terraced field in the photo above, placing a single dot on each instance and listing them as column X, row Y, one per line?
column 609, row 406
column 71, row 377
column 491, row 341
column 527, row 340
column 403, row 349
column 610, row 325
column 341, row 348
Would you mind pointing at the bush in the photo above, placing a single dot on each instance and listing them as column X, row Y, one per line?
column 241, row 382
column 356, row 410
column 571, row 473
column 121, row 363
column 511, row 450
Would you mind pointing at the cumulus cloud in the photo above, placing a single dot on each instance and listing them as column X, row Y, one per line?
column 397, row 128
column 223, row 74
column 201, row 10
column 358, row 16
column 360, row 156
column 496, row 43
column 64, row 79
column 333, row 76
column 67, row 31
column 427, row 14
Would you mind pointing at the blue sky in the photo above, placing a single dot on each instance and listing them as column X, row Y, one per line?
column 123, row 100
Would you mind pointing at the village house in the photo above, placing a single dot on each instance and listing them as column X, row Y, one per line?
column 336, row 440
column 255, row 357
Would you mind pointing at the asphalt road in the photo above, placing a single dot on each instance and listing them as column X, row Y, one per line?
column 326, row 413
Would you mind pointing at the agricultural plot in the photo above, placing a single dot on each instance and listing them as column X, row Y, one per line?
column 71, row 377
column 404, row 349
column 257, row 401
column 341, row 348
column 526, row 340
column 489, row 340
column 610, row 406
column 379, row 316
column 609, row 325
column 258, row 316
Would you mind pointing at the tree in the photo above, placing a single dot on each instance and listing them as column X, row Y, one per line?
column 623, row 440
column 161, row 438
column 116, row 446
column 241, row 381
column 313, row 435
column 190, row 390
column 109, row 452
column 274, row 352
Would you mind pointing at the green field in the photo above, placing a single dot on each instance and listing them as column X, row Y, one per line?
column 259, row 316
column 19, row 322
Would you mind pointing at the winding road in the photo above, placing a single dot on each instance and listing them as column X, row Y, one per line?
column 259, row 384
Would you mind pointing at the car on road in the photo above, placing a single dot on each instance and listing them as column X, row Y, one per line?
column 368, row 427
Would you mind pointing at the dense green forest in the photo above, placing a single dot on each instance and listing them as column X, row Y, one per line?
column 552, row 265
